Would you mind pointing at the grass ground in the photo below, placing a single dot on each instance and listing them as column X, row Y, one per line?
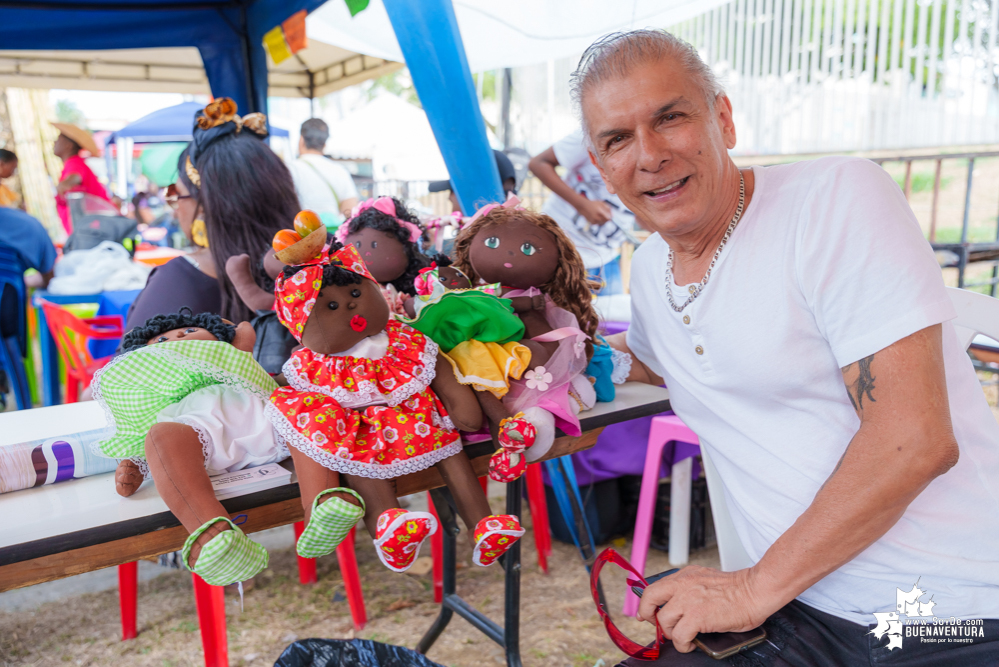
column 558, row 620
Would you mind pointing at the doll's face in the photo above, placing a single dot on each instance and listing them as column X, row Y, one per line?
column 517, row 254
column 184, row 333
column 452, row 278
column 344, row 316
column 383, row 253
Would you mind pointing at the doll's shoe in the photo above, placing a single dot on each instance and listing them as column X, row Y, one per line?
column 329, row 523
column 544, row 423
column 399, row 534
column 516, row 433
column 494, row 535
column 228, row 557
column 506, row 466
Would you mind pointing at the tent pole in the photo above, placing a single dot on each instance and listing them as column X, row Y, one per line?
column 244, row 42
column 505, row 92
column 431, row 45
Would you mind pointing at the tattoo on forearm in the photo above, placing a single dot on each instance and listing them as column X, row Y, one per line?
column 860, row 383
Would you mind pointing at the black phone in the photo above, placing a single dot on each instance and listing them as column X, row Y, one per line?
column 718, row 645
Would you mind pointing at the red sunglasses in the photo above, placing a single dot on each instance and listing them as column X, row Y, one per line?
column 633, row 649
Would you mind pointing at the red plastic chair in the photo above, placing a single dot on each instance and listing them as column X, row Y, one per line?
column 71, row 335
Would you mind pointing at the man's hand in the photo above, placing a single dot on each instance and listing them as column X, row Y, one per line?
column 596, row 212
column 639, row 371
column 700, row 599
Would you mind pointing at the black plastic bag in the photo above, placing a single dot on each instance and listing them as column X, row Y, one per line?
column 350, row 653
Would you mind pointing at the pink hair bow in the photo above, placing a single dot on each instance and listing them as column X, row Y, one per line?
column 512, row 201
column 383, row 205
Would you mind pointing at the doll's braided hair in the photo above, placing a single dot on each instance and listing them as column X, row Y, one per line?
column 374, row 219
column 569, row 287
column 333, row 274
column 160, row 324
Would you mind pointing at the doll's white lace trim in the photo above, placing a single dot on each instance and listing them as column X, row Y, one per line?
column 622, row 366
column 441, row 421
column 367, row 392
column 348, row 467
column 112, row 427
column 141, row 464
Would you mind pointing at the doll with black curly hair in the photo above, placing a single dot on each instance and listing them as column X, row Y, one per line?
column 387, row 236
column 184, row 402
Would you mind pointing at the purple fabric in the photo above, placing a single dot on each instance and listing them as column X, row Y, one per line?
column 611, row 328
column 620, row 450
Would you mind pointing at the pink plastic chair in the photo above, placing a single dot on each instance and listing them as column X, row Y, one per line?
column 664, row 430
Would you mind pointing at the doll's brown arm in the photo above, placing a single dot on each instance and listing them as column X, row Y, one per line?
column 237, row 268
column 410, row 307
column 458, row 399
column 525, row 304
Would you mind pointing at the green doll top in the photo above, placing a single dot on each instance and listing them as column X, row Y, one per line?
column 454, row 316
column 136, row 386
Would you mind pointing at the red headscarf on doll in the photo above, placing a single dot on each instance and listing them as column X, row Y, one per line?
column 296, row 294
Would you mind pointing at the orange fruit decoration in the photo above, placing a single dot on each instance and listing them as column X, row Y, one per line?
column 285, row 238
column 307, row 222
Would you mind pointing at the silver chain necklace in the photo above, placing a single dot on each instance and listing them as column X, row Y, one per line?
column 695, row 290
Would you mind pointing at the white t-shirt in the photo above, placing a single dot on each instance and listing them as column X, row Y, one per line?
column 827, row 266
column 597, row 244
column 322, row 184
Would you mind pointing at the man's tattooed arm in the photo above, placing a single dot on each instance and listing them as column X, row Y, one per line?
column 859, row 379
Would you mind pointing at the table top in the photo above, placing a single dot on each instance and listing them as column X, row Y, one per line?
column 83, row 512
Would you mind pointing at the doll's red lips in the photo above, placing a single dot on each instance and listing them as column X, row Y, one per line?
column 508, row 265
column 358, row 323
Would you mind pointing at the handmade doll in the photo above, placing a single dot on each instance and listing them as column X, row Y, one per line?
column 387, row 236
column 186, row 401
column 542, row 274
column 372, row 399
column 479, row 334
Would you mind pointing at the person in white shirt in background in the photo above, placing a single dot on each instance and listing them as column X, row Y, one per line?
column 801, row 323
column 594, row 218
column 322, row 185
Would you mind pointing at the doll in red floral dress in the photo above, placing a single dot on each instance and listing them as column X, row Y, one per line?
column 372, row 399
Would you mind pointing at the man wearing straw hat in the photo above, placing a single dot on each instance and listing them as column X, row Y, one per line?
column 76, row 175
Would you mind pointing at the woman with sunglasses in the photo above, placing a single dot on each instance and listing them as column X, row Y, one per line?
column 232, row 194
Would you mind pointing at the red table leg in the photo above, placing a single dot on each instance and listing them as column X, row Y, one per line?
column 128, row 597
column 539, row 514
column 306, row 566
column 352, row 581
column 437, row 553
column 210, row 601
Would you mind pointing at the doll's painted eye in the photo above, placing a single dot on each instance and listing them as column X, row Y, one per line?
column 528, row 249
column 492, row 242
column 357, row 244
column 333, row 305
column 190, row 329
column 161, row 339
column 356, row 293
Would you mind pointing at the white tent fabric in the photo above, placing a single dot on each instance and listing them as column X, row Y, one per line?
column 312, row 72
column 510, row 33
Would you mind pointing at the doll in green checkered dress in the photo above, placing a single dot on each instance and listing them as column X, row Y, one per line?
column 184, row 402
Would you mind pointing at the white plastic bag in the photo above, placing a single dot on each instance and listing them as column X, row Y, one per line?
column 106, row 267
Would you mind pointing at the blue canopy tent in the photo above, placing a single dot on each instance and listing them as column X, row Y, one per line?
column 169, row 124
column 227, row 33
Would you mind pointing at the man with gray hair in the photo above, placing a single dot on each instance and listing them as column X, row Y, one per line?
column 322, row 185
column 800, row 321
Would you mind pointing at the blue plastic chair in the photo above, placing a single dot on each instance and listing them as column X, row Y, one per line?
column 13, row 304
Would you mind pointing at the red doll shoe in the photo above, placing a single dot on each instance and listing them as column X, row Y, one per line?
column 494, row 535
column 516, row 433
column 399, row 534
column 506, row 466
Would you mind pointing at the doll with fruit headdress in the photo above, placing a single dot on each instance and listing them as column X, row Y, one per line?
column 371, row 399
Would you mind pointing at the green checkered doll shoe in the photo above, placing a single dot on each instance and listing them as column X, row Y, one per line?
column 329, row 524
column 227, row 558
